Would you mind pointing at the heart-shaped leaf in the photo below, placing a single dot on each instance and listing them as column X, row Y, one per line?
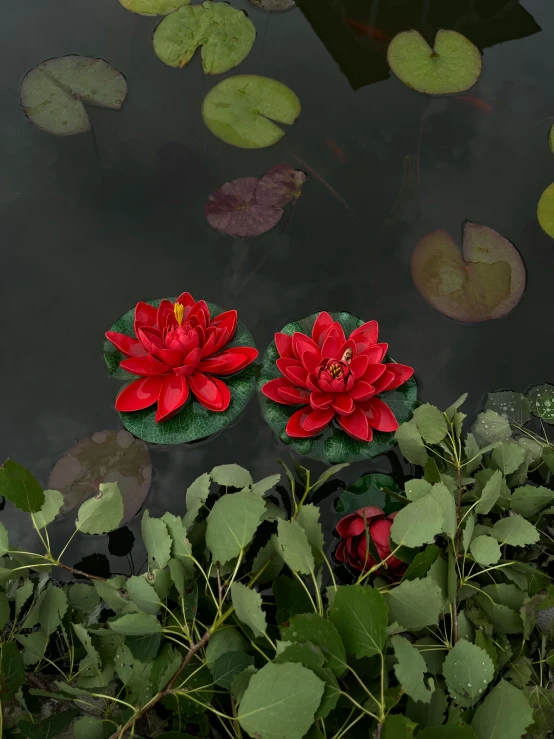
column 453, row 65
column 53, row 94
column 225, row 34
column 240, row 110
column 485, row 280
column 541, row 398
column 153, row 7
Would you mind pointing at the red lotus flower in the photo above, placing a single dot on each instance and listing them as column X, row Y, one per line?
column 355, row 530
column 334, row 377
column 179, row 348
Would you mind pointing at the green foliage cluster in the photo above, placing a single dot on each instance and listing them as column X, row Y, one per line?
column 239, row 627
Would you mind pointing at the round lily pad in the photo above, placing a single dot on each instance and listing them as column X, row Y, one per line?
column 483, row 281
column 194, row 421
column 551, row 138
column 241, row 110
column 105, row 456
column 541, row 398
column 545, row 211
column 274, row 6
column 225, row 34
column 453, row 65
column 153, row 7
column 53, row 94
column 333, row 445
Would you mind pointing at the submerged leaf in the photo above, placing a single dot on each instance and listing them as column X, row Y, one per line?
column 52, row 94
column 225, row 34
column 485, row 280
column 453, row 65
column 274, row 6
column 240, row 110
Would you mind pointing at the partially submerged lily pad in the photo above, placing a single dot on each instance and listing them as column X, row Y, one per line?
column 541, row 398
column 485, row 280
column 241, row 110
column 250, row 206
column 153, row 7
column 274, row 6
column 545, row 211
column 53, row 94
column 225, row 34
column 105, row 456
column 453, row 65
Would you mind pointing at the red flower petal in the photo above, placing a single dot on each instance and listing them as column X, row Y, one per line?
column 376, row 353
column 200, row 311
column 356, row 527
column 362, row 391
column 379, row 415
column 358, row 365
column 319, row 401
column 145, row 315
column 340, row 552
column 302, row 343
column 294, row 396
column 229, row 361
column 139, row 394
column 344, row 524
column 322, row 324
column 401, row 372
column 294, row 426
column 126, row 344
column 213, row 338
column 166, row 314
column 356, row 425
column 310, row 361
column 211, row 392
column 191, row 362
column 373, row 373
column 144, row 366
column 380, row 533
column 369, row 512
column 334, row 339
column 187, row 301
column 271, row 390
column 312, row 383
column 170, row 357
column 150, row 338
column 292, row 369
column 343, row 404
column 365, row 336
column 316, row 421
column 226, row 323
column 283, row 342
column 174, row 394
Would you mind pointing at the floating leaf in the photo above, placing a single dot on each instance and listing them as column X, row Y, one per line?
column 513, row 406
column 410, row 669
column 541, row 398
column 52, row 94
column 483, row 281
column 504, row 714
column 240, row 110
column 249, row 206
column 225, row 34
column 232, row 523
column 102, row 513
column 453, row 65
column 153, row 7
column 545, row 211
column 468, row 670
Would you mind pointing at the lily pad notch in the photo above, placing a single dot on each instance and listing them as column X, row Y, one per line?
column 54, row 94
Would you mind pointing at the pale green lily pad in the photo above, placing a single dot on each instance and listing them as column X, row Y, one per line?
column 153, row 7
column 541, row 398
column 241, row 110
column 551, row 138
column 53, row 94
column 453, row 65
column 545, row 211
column 225, row 34
column 193, row 422
column 333, row 445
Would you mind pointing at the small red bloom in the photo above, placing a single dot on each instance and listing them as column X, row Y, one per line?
column 333, row 377
column 355, row 530
column 179, row 349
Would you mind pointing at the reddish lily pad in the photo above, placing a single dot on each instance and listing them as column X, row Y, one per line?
column 105, row 456
column 484, row 281
column 249, row 206
column 332, row 446
column 53, row 94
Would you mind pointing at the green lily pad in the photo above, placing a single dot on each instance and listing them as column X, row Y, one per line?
column 241, row 110
column 153, row 7
column 53, row 94
column 551, row 138
column 225, row 34
column 484, row 281
column 513, row 406
column 193, row 422
column 545, row 211
column 333, row 445
column 368, row 491
column 453, row 65
column 541, row 398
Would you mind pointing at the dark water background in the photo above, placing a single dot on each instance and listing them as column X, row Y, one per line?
column 93, row 223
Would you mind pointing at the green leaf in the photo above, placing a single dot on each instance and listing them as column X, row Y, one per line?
column 541, row 701
column 445, row 503
column 327, row 475
column 428, row 714
column 490, row 493
column 157, row 541
column 530, row 500
column 165, row 666
column 370, row 490
column 468, row 530
column 291, row 598
column 4, row 541
column 22, row 595
column 513, row 406
column 102, row 513
column 136, row 624
column 398, row 727
column 421, row 563
column 83, row 597
column 417, row 488
column 52, row 609
column 504, row 714
column 308, row 518
column 12, row 670
column 504, row 619
column 232, row 523
column 227, row 666
column 152, row 7
column 241, row 681
column 240, row 110
column 415, row 603
column 541, row 397
column 49, row 727
column 450, row 731
column 410, row 670
column 430, row 423
column 197, row 495
column 505, row 595
column 144, row 647
column 93, row 665
column 20, row 487
column 410, row 443
column 143, row 594
column 468, row 670
column 226, row 639
column 181, row 548
column 360, row 616
column 268, row 553
column 490, row 427
column 485, row 550
column 312, row 657
column 88, row 727
column 516, row 531
column 231, row 475
column 34, row 646
column 418, row 523
column 248, row 607
column 310, row 627
column 280, row 701
column 225, row 34
column 507, row 457
column 294, row 547
column 53, row 501
column 268, row 483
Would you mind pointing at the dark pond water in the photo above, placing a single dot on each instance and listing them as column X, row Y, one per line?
column 93, row 223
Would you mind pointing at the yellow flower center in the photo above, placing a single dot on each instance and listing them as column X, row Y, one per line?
column 179, row 311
